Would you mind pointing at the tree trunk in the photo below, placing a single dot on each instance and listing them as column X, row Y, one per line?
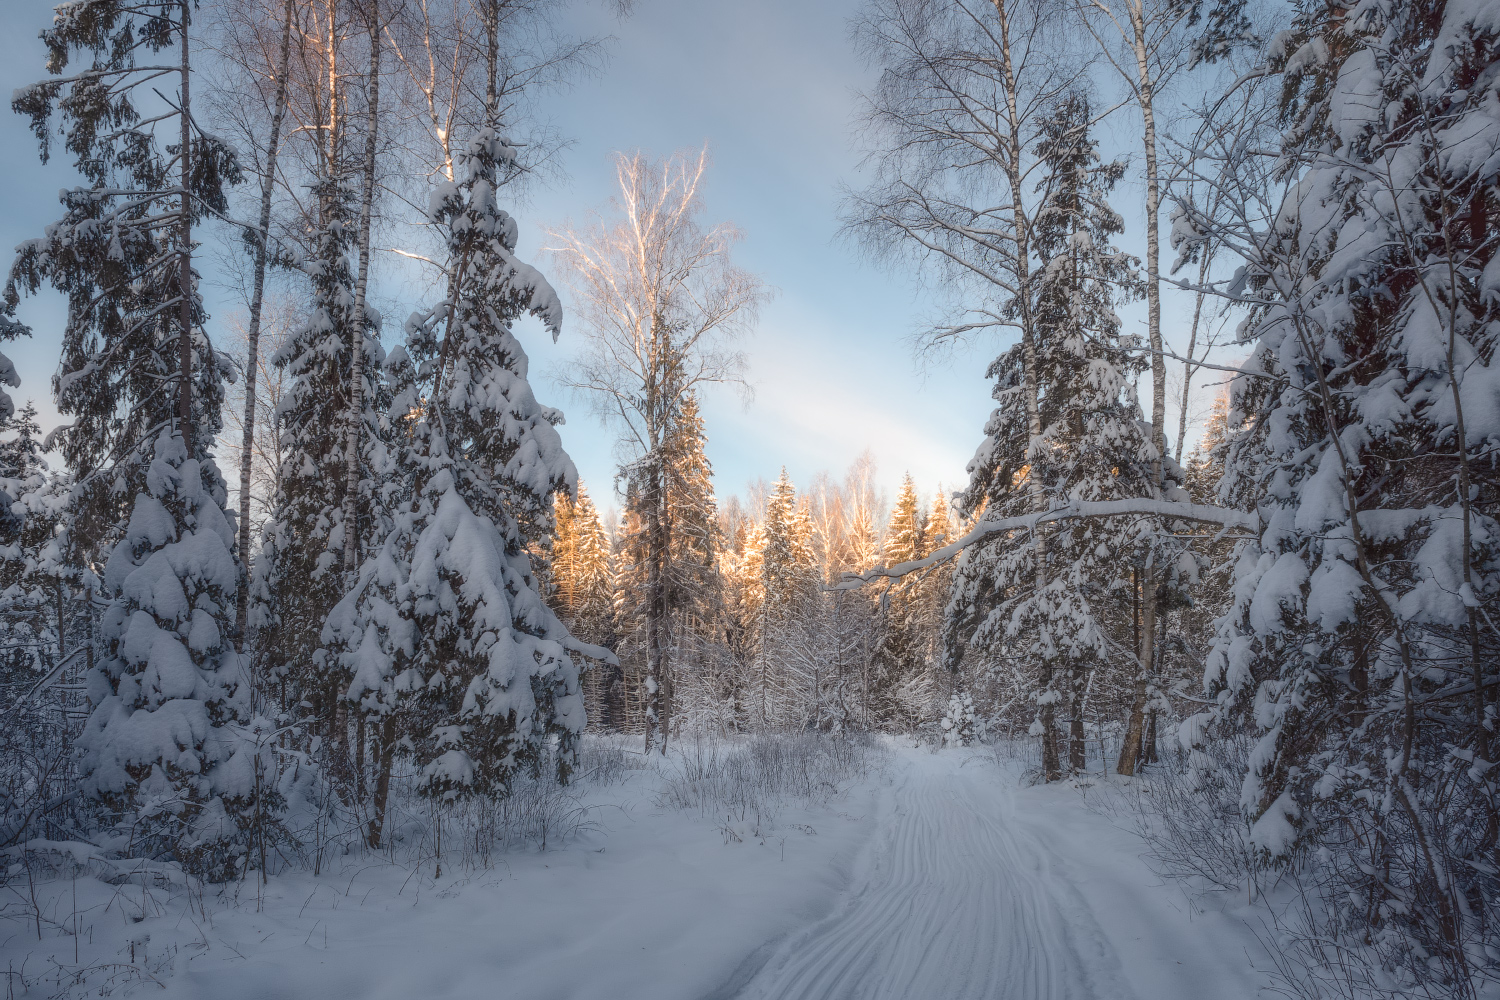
column 1187, row 366
column 185, row 255
column 357, row 330
column 656, row 609
column 360, row 737
column 1146, row 94
column 62, row 636
column 1051, row 763
column 387, row 751
column 257, row 301
column 1130, row 751
column 1077, row 749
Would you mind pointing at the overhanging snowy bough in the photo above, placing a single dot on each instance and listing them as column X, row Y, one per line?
column 1226, row 518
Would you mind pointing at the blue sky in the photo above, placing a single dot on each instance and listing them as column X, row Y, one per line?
column 769, row 86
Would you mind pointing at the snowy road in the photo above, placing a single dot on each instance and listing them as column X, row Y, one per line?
column 942, row 877
column 963, row 894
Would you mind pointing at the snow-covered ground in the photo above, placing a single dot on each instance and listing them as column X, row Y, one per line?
column 938, row 877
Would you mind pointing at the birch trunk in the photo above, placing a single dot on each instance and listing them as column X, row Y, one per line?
column 361, row 284
column 257, row 305
column 1145, row 94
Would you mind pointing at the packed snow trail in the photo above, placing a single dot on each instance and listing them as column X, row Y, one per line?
column 958, row 896
column 940, row 877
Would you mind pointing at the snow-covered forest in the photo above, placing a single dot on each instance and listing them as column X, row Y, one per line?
column 308, row 591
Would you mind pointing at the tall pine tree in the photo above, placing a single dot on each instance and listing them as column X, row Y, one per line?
column 143, row 387
column 1039, row 603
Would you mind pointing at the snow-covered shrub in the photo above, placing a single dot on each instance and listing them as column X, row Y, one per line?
column 752, row 778
column 602, row 760
column 1189, row 813
column 961, row 726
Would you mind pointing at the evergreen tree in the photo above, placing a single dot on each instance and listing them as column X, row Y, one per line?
column 45, row 583
column 448, row 641
column 585, row 598
column 297, row 579
column 692, row 595
column 592, row 601
column 631, row 593
column 1364, row 432
column 904, row 684
column 937, row 583
column 21, row 455
column 1040, row 603
column 695, row 591
column 741, row 570
column 143, row 387
column 134, row 354
column 562, row 560
column 786, row 578
column 693, row 574
column 160, row 753
column 960, row 725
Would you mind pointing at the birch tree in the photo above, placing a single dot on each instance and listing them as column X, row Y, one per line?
column 660, row 301
column 250, row 30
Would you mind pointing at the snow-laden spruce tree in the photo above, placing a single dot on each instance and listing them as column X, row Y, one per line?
column 47, row 598
column 162, row 760
column 122, row 252
column 904, row 684
column 161, row 752
column 788, row 583
column 693, row 590
column 960, row 725
column 451, row 648
column 695, row 593
column 740, row 568
column 16, row 464
column 581, row 568
column 1044, row 604
column 46, row 586
column 630, row 587
column 298, row 574
column 1361, row 647
column 28, row 638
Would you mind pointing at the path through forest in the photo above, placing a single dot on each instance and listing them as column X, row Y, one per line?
column 971, row 887
column 943, row 876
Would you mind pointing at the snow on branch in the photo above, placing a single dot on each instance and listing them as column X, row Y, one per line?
column 1177, row 509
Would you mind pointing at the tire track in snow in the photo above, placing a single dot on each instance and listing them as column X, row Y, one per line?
column 955, row 902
